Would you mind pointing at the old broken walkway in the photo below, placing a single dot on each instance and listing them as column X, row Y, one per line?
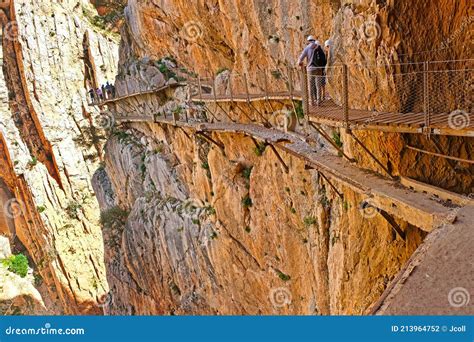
column 417, row 208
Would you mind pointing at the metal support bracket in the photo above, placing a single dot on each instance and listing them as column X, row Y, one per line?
column 211, row 140
column 319, row 129
column 370, row 154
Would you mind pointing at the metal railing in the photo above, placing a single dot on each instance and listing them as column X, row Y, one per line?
column 412, row 94
column 230, row 86
column 388, row 93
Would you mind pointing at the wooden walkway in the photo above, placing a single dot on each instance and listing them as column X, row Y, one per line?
column 330, row 114
column 416, row 207
column 136, row 94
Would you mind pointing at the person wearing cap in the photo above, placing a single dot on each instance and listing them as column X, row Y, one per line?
column 327, row 50
column 315, row 62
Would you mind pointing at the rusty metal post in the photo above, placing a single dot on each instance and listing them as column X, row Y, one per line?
column 246, row 87
column 290, row 83
column 304, row 89
column 426, row 104
column 345, row 87
column 230, row 88
column 200, row 88
column 266, row 85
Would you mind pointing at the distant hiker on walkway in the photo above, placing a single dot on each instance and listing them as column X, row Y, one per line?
column 104, row 92
column 316, row 62
column 327, row 50
column 92, row 95
column 100, row 94
column 108, row 89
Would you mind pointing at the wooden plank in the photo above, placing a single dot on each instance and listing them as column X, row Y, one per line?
column 438, row 192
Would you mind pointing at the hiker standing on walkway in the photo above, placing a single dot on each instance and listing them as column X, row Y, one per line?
column 92, row 95
column 104, row 91
column 316, row 62
column 100, row 94
column 327, row 50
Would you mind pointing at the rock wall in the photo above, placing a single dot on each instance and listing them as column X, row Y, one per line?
column 191, row 230
column 208, row 233
column 50, row 145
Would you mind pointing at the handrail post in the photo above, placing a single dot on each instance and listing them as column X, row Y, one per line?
column 290, row 83
column 345, row 95
column 304, row 88
column 266, row 85
column 200, row 88
column 230, row 88
column 426, row 105
column 246, row 87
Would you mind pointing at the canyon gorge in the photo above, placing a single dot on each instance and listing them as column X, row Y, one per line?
column 152, row 217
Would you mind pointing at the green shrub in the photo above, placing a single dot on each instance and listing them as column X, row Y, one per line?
column 113, row 216
column 247, row 229
column 299, row 109
column 33, row 161
column 221, row 70
column 336, row 137
column 41, row 209
column 259, row 149
column 247, row 202
column 17, row 264
column 309, row 221
column 276, row 74
column 73, row 209
column 246, row 172
column 283, row 276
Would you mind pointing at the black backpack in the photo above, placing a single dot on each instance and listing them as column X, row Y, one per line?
column 319, row 58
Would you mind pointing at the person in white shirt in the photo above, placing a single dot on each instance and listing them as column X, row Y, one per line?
column 315, row 63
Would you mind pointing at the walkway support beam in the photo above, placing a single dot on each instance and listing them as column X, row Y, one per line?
column 211, row 140
column 370, row 154
column 319, row 129
column 345, row 86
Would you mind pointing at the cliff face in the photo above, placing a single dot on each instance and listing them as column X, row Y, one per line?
column 208, row 233
column 189, row 229
column 50, row 144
